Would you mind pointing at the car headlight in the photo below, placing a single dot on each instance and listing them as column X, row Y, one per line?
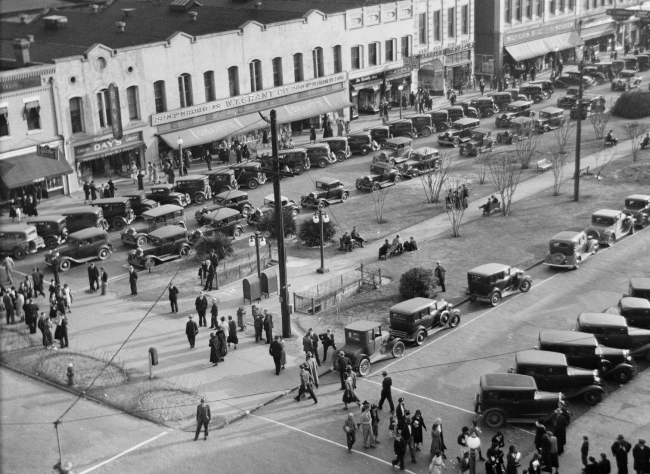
column 596, row 373
column 598, row 380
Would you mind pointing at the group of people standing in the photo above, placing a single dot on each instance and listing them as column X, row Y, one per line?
column 620, row 450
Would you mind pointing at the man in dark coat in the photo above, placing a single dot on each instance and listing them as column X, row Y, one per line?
column 343, row 363
column 31, row 315
column 641, row 456
column 440, row 273
column 314, row 339
column 214, row 313
column 140, row 181
column 209, row 276
column 307, row 343
column 560, row 424
column 202, row 419
column 400, row 412
column 386, row 393
column 604, row 466
column 258, row 323
column 93, row 191
column 91, row 279
column 133, row 280
column 214, row 349
column 191, row 330
column 94, row 275
column 620, row 448
column 37, row 277
column 268, row 326
column 173, row 297
column 407, row 434
column 201, row 305
column 275, row 350
column 399, row 445
column 327, row 338
column 86, row 189
column 111, row 188
column 208, row 160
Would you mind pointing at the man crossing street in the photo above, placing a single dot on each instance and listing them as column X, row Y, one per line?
column 202, row 419
column 173, row 297
column 191, row 330
column 133, row 280
column 386, row 393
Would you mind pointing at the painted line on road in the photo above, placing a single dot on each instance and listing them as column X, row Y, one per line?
column 323, row 439
column 124, row 453
column 422, row 397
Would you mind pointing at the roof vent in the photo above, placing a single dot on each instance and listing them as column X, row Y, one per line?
column 120, row 25
column 181, row 6
column 55, row 22
column 193, row 15
column 127, row 11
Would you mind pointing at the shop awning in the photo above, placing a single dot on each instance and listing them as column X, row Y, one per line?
column 104, row 148
column 24, row 170
column 542, row 46
column 375, row 85
column 606, row 29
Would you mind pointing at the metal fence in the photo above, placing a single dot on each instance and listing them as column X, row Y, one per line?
column 229, row 270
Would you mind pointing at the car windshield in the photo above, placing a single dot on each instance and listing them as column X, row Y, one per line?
column 512, row 108
column 269, row 202
column 544, row 115
column 352, row 336
column 321, row 185
column 458, row 126
column 634, row 204
column 155, row 241
column 602, row 220
column 476, row 278
column 393, row 146
column 219, row 200
column 477, row 135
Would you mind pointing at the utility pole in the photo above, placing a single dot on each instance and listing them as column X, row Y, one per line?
column 576, row 176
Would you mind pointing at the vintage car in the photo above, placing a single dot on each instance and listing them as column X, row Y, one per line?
column 642, row 61
column 533, row 92
column 161, row 216
column 520, row 108
column 84, row 217
column 638, row 206
column 422, row 124
column 493, row 281
column 237, row 200
column 550, row 118
column 402, row 128
column 583, row 350
column 222, row 180
column 269, row 206
column 82, row 246
column 224, row 220
column 608, row 225
column 140, row 203
column 512, row 398
column 53, row 229
column 379, row 133
column 117, row 211
column 456, row 113
column 626, row 80
column 479, row 141
column 546, row 85
column 328, row 191
column 19, row 240
column 631, row 63
column 292, row 159
column 421, row 161
column 394, row 150
column 340, row 147
column 413, row 320
column 552, row 373
column 440, row 120
column 516, row 95
column 569, row 249
column 163, row 245
column 501, row 100
column 635, row 310
column 593, row 72
column 468, row 109
column 249, row 174
column 362, row 143
column 165, row 194
column 365, row 343
column 520, row 128
column 639, row 288
column 604, row 67
column 569, row 99
column 196, row 187
column 485, row 106
column 320, row 155
column 572, row 78
column 383, row 175
column 461, row 129
column 613, row 330
column 590, row 104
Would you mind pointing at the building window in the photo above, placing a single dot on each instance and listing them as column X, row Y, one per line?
column 255, row 68
column 422, row 28
column 595, row 3
column 390, row 50
column 518, row 10
column 373, row 54
column 233, row 81
column 451, row 22
column 540, row 7
column 338, row 60
column 529, row 9
column 319, row 62
column 508, row 11
column 406, row 46
column 4, row 122
column 208, row 84
column 551, row 7
column 76, row 119
column 277, row 72
column 298, row 73
column 159, row 96
column 465, row 19
column 185, row 90
column 437, row 31
column 572, row 4
column 133, row 102
column 33, row 115
column 105, row 119
column 356, row 61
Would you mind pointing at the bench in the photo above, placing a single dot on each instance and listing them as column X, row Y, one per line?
column 610, row 144
column 582, row 172
column 544, row 165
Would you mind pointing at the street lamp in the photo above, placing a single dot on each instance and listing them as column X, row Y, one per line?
column 400, row 88
column 179, row 142
column 256, row 240
column 322, row 217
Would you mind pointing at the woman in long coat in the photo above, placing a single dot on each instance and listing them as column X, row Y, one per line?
column 418, row 425
column 222, row 348
column 511, row 460
column 436, row 440
column 349, row 395
column 311, row 367
column 283, row 357
column 232, row 332
column 214, row 349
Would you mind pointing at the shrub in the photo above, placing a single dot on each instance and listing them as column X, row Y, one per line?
column 417, row 282
column 267, row 224
column 309, row 232
column 632, row 105
column 221, row 243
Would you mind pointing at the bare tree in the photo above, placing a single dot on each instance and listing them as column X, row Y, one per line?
column 606, row 158
column 562, row 136
column 558, row 160
column 433, row 181
column 527, row 149
column 481, row 162
column 634, row 131
column 457, row 190
column 379, row 198
column 600, row 120
column 505, row 174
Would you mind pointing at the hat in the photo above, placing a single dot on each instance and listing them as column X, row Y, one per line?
column 309, row 330
column 641, row 441
column 190, row 316
column 384, row 373
column 365, row 402
column 620, row 437
column 203, row 400
column 400, row 400
column 211, row 334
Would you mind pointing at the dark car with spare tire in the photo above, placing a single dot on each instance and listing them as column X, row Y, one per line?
column 163, row 245
column 52, row 228
column 83, row 246
column 494, row 281
column 117, row 211
column 84, row 217
column 413, row 320
column 237, row 200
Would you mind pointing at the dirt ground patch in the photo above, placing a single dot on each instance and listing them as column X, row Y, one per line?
column 13, row 338
column 54, row 365
column 168, row 405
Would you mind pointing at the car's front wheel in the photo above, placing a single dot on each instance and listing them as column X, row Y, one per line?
column 398, row 349
column 592, row 397
column 298, row 170
column 494, row 418
column 623, row 376
column 454, row 320
column 236, row 233
column 19, row 253
column 364, row 151
column 611, row 239
column 344, row 196
column 184, row 251
column 456, row 142
column 252, row 184
column 364, row 367
column 199, row 198
column 426, row 132
column 103, row 254
column 140, row 241
column 322, row 163
column 118, row 224
column 51, row 243
column 65, row 265
column 525, row 286
column 340, row 156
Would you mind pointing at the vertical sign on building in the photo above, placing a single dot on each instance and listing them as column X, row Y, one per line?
column 114, row 110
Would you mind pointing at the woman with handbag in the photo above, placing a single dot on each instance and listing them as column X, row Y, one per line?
column 348, row 394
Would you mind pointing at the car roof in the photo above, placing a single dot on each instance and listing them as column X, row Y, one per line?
column 402, row 120
column 135, row 194
column 381, row 164
column 326, row 180
column 455, row 107
column 567, row 236
column 523, row 120
column 231, row 194
column 191, row 177
column 50, row 218
column 333, row 139
column 519, row 103
column 81, row 210
column 510, row 382
column 535, row 357
column 87, row 233
column 160, row 210
column 297, row 149
column 466, row 121
column 482, row 130
column 426, row 150
column 641, row 197
column 606, row 213
column 640, row 283
column 601, row 319
column 419, row 115
column 539, row 81
column 221, row 171
column 489, row 269
column 500, row 94
column 16, row 227
column 161, row 186
column 316, row 145
column 271, row 197
column 574, row 88
column 221, row 213
column 412, row 305
column 358, row 132
column 628, row 71
column 115, row 200
column 571, row 338
column 362, row 325
column 551, row 110
column 248, row 164
column 168, row 231
column 630, row 302
column 378, row 127
column 400, row 140
column 441, row 111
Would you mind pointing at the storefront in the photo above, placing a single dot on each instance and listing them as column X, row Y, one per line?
column 365, row 93
column 431, row 72
column 599, row 35
column 458, row 63
column 107, row 157
column 395, row 79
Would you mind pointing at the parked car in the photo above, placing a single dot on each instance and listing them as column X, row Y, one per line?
column 511, row 398
column 456, row 113
column 569, row 249
column 533, row 92
column 608, row 225
column 593, row 72
column 340, row 147
column 493, row 281
column 269, row 206
column 519, row 128
column 320, row 154
column 402, row 128
column 395, row 149
column 501, row 100
column 196, row 187
column 569, row 99
column 550, row 118
column 222, row 180
column 362, row 143
column 516, row 109
column 617, row 66
column 552, row 373
column 613, row 330
column 413, row 320
column 635, row 310
column 383, row 175
column 516, row 95
column 379, row 133
column 546, row 85
column 631, row 63
column 117, row 211
column 440, row 120
column 328, row 191
column 479, row 141
column 294, row 159
column 572, row 78
column 638, row 206
column 484, row 106
column 468, row 109
column 583, row 350
column 237, row 200
column 161, row 216
column 642, row 61
column 625, row 80
column 604, row 67
column 224, row 220
column 83, row 246
column 590, row 104
column 165, row 194
column 639, row 288
column 19, row 240
column 249, row 174
column 461, row 129
column 53, row 229
column 163, row 245
column 422, row 124
column 140, row 203
column 421, row 161
column 84, row 217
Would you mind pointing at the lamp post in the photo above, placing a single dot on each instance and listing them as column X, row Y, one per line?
column 322, row 217
column 256, row 240
column 179, row 142
column 400, row 88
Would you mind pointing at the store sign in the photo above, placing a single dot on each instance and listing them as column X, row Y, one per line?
column 397, row 73
column 114, row 110
column 412, row 62
column 459, row 47
column 47, row 152
column 643, row 14
column 19, row 83
column 242, row 100
column 534, row 33
column 107, row 147
column 368, row 78
column 619, row 14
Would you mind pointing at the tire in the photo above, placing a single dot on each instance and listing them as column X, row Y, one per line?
column 537, row 99
column 488, row 113
column 644, row 221
column 364, row 151
column 103, row 254
column 298, row 170
column 494, row 418
column 103, row 224
column 364, row 367
column 199, row 198
column 118, row 224
column 344, row 197
column 456, row 141
column 358, row 185
column 623, row 376
column 442, row 127
column 236, row 233
column 252, row 184
column 420, row 337
column 397, row 179
column 525, row 285
column 322, row 163
column 51, row 243
column 473, row 115
column 546, row 95
column 495, row 298
column 19, row 253
column 245, row 211
column 140, row 241
column 592, row 397
column 65, row 265
column 184, row 251
column 472, row 299
column 426, row 132
column 376, row 187
column 454, row 320
column 398, row 349
column 500, row 138
column 611, row 240
column 340, row 156
column 444, row 318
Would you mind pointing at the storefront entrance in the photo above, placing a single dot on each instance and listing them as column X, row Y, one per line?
column 395, row 79
column 32, row 174
column 109, row 157
column 431, row 76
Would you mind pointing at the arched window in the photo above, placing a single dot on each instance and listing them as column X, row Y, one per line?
column 233, row 80
column 160, row 97
column 255, row 68
column 338, row 61
column 76, row 117
column 208, row 84
column 103, row 101
column 277, row 72
column 185, row 90
column 319, row 63
column 298, row 73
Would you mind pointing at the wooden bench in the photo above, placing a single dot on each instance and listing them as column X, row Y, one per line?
column 544, row 165
column 583, row 171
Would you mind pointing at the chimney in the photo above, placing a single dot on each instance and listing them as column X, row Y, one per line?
column 192, row 15
column 23, row 18
column 94, row 8
column 21, row 51
column 30, row 38
column 120, row 26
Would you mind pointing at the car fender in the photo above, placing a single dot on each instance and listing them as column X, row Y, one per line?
column 620, row 367
column 358, row 359
column 388, row 347
column 640, row 351
column 588, row 388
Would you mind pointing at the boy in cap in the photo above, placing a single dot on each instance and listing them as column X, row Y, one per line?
column 350, row 429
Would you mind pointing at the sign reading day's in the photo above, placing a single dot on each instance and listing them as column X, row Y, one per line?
column 241, row 100
column 107, row 147
column 541, row 32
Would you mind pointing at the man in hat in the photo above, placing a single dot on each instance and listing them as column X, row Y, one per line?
column 407, row 434
column 399, row 445
column 620, row 448
column 386, row 393
column 173, row 297
column 311, row 367
column 366, row 426
column 214, row 312
column 327, row 338
column 201, row 305
column 401, row 413
column 343, row 363
column 641, row 456
column 307, row 343
column 133, row 280
column 191, row 330
column 440, row 273
column 268, row 325
column 258, row 323
column 306, row 382
column 350, row 429
column 604, row 466
column 276, row 352
column 584, row 451
column 314, row 339
column 202, row 419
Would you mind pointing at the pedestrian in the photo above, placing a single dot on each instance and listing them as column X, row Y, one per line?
column 283, row 358
column 232, row 333
column 407, row 434
column 103, row 277
column 311, row 366
column 31, row 315
column 312, row 134
column 37, row 277
column 223, row 345
column 173, row 297
column 535, row 465
column 8, row 304
column 348, row 395
column 214, row 349
column 19, row 302
column 111, row 187
column 452, row 98
column 641, row 456
column 476, row 431
column 592, row 467
column 258, row 323
column 201, row 305
column 493, row 83
column 604, row 466
column 339, row 127
column 481, row 85
column 93, row 191
column 140, row 181
column 584, row 451
column 307, row 343
column 401, row 413
column 191, row 330
column 202, row 419
column 386, row 393
column 462, row 442
column 374, row 413
column 440, row 274
column 366, row 426
column 268, row 326
column 61, row 333
column 209, row 276
column 342, row 363
column 150, row 171
column 499, row 440
column 437, row 441
column 399, row 447
column 327, row 339
column 418, row 426
column 93, row 277
column 156, row 175
column 437, row 463
column 133, row 280
column 214, row 313
column 86, row 188
column 494, row 463
column 275, row 351
column 8, row 265
column 49, row 334
column 561, row 422
column 306, row 382
column 412, row 99
column 350, row 429
column 512, row 460
column 620, row 448
column 68, row 297
column 553, row 457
